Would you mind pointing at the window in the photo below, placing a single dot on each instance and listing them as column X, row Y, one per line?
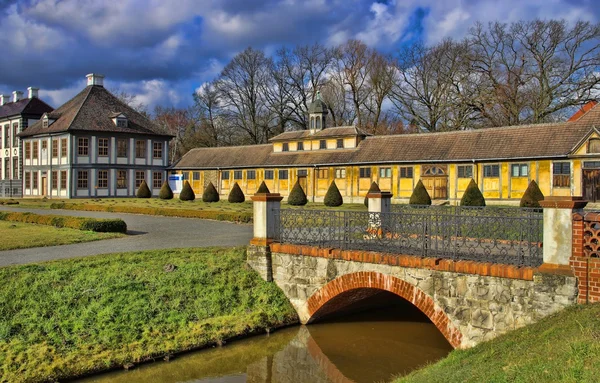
column 269, row 174
column 285, row 147
column 44, row 145
column 103, row 147
column 35, row 150
column 406, row 172
column 385, row 172
column 27, row 180
column 591, row 164
column 339, row 143
column 157, row 180
column 283, row 174
column 121, row 147
column 157, row 151
column 465, row 171
column 6, row 168
column 15, row 167
column 82, row 179
column 251, row 174
column 237, row 174
column 63, row 179
column 186, row 176
column 322, row 144
column 34, row 180
column 196, row 176
column 45, row 122
column 82, row 147
column 121, row 179
column 28, row 150
column 323, row 174
column 139, row 177
column 300, row 146
column 63, row 147
column 519, row 170
column 561, row 174
column 54, row 148
column 594, row 145
column 340, row 173
column 121, row 123
column 491, row 170
column 7, row 135
column 365, row 173
column 302, row 172
column 54, row 180
column 102, row 179
column 140, row 149
column 15, row 132
column 225, row 175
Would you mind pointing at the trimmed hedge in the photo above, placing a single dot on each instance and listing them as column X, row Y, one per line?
column 165, row 191
column 210, row 193
column 420, row 196
column 472, row 195
column 532, row 196
column 263, row 188
column 297, row 196
column 204, row 214
column 143, row 191
column 374, row 188
column 80, row 223
column 333, row 197
column 187, row 194
column 236, row 195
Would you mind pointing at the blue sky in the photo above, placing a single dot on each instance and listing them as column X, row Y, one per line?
column 163, row 50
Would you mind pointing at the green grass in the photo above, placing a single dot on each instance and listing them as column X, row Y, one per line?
column 65, row 318
column 564, row 347
column 26, row 235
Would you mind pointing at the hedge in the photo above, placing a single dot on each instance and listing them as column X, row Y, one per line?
column 420, row 196
column 472, row 195
column 143, row 191
column 532, row 196
column 80, row 223
column 242, row 217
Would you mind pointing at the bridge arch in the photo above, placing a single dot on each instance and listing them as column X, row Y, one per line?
column 373, row 280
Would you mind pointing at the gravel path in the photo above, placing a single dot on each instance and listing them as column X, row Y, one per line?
column 145, row 232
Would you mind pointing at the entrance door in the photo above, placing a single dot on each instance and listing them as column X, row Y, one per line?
column 437, row 187
column 591, row 185
column 44, row 186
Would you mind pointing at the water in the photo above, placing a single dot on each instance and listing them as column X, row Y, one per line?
column 372, row 346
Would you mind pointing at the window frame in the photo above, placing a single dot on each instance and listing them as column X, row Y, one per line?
column 340, row 173
column 283, row 174
column 491, row 173
column 250, row 174
column 323, row 174
column 300, row 146
column 285, row 147
column 54, row 144
column 121, row 179
column 406, row 172
column 27, row 150
column 157, row 179
column 83, row 182
column 63, row 179
column 27, row 176
column 83, row 148
column 519, row 167
column 138, row 180
column 157, row 152
column 63, row 147
column 339, row 143
column 269, row 174
column 54, row 182
column 238, row 175
column 140, row 149
column 561, row 178
column 322, row 144
column 225, row 175
column 464, row 168
column 596, row 144
column 364, row 172
column 103, row 146
column 386, row 171
column 35, row 179
column 102, row 181
column 35, row 149
column 122, row 146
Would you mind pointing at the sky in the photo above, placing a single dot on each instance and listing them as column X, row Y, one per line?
column 162, row 50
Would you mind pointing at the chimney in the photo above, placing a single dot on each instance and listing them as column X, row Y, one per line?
column 17, row 95
column 95, row 79
column 32, row 92
column 4, row 99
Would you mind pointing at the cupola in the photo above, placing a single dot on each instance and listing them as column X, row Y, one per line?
column 317, row 114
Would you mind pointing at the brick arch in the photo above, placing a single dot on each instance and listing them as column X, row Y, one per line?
column 373, row 280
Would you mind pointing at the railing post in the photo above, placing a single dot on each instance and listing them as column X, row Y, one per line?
column 265, row 206
column 380, row 205
column 558, row 231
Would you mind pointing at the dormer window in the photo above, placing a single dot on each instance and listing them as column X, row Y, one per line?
column 45, row 122
column 300, row 146
column 285, row 147
column 120, row 120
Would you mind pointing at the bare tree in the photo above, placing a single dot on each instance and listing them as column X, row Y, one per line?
column 131, row 100
column 380, row 80
column 175, row 122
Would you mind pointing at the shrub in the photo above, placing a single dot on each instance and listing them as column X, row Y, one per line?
column 236, row 195
column 532, row 196
column 263, row 188
column 80, row 223
column 144, row 191
column 420, row 196
column 472, row 196
column 374, row 188
column 333, row 197
column 210, row 193
column 165, row 191
column 297, row 196
column 187, row 194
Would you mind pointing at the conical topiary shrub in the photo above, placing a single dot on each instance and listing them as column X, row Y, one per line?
column 297, row 196
column 236, row 195
column 187, row 194
column 143, row 191
column 374, row 188
column 263, row 189
column 472, row 196
column 165, row 191
column 333, row 197
column 210, row 193
column 420, row 196
column 532, row 196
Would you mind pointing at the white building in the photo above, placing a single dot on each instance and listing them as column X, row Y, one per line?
column 93, row 146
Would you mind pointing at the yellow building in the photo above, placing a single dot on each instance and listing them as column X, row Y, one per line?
column 563, row 158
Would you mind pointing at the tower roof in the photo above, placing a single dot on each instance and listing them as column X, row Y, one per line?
column 317, row 106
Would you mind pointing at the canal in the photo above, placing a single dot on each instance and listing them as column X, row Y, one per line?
column 368, row 342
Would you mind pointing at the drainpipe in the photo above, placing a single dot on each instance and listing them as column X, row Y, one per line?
column 314, row 186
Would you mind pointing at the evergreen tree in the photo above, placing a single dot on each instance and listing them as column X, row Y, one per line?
column 472, row 196
column 333, row 197
column 532, row 196
column 144, row 191
column 236, row 195
column 374, row 188
column 210, row 193
column 297, row 196
column 165, row 191
column 187, row 194
column 263, row 189
column 420, row 196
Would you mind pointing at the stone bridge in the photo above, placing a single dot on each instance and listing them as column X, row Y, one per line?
column 468, row 301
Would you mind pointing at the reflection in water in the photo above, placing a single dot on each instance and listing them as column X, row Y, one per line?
column 366, row 347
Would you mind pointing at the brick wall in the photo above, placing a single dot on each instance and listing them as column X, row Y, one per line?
column 585, row 256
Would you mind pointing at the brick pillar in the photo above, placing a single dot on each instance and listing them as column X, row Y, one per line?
column 585, row 259
column 379, row 202
column 265, row 206
column 558, row 232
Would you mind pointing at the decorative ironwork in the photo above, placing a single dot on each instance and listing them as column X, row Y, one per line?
column 496, row 235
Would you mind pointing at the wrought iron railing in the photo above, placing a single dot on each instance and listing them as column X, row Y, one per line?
column 496, row 235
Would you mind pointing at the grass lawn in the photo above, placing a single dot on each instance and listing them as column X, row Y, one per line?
column 65, row 318
column 25, row 235
column 564, row 347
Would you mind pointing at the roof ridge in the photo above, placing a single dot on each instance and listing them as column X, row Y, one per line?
column 89, row 89
column 230, row 147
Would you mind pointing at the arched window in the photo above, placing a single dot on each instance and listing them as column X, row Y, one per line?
column 312, row 122
column 318, row 123
column 434, row 171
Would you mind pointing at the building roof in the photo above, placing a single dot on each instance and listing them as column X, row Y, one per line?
column 27, row 106
column 339, row 131
column 93, row 109
column 555, row 140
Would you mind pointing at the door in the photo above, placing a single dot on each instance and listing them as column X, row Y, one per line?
column 44, row 186
column 591, row 185
column 437, row 187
